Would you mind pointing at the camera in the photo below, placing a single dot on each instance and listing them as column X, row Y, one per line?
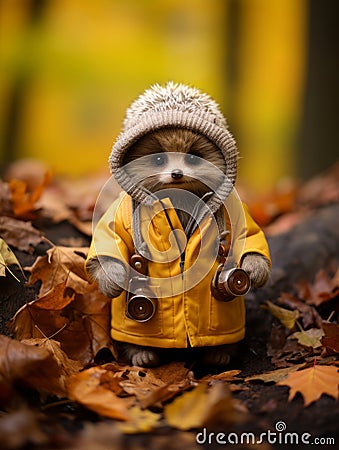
column 140, row 304
column 228, row 284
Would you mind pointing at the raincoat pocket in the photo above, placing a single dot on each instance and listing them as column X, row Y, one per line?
column 227, row 317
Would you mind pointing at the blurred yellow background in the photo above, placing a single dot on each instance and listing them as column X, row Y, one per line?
column 69, row 70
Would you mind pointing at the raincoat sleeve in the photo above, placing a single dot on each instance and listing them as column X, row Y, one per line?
column 112, row 235
column 255, row 239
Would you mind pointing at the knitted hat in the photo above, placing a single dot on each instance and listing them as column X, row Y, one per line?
column 175, row 105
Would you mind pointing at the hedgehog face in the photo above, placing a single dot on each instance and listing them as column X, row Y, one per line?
column 177, row 159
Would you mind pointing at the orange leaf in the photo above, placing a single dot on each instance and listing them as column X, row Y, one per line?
column 23, row 200
column 89, row 389
column 57, row 298
column 312, row 383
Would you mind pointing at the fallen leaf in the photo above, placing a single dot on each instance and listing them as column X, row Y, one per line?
column 21, row 428
column 312, row 383
column 81, row 326
column 57, row 298
column 172, row 373
column 154, row 386
column 308, row 338
column 287, row 317
column 189, row 410
column 284, row 352
column 54, row 381
column 330, row 339
column 140, row 421
column 39, row 364
column 19, row 234
column 229, row 375
column 203, row 407
column 309, row 314
column 321, row 290
column 7, row 258
column 87, row 389
column 58, row 264
column 68, row 306
column 24, row 199
column 275, row 375
column 274, row 203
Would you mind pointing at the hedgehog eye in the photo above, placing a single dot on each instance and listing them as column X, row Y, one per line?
column 192, row 160
column 159, row 159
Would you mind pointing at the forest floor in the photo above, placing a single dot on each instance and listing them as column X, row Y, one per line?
column 60, row 387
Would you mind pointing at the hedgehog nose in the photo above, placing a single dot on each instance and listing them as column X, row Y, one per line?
column 177, row 174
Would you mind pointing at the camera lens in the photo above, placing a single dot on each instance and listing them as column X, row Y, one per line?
column 140, row 308
column 228, row 284
column 238, row 282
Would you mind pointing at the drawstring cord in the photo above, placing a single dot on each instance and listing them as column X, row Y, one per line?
column 188, row 230
column 181, row 250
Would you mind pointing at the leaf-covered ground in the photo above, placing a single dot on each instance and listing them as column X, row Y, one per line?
column 60, row 386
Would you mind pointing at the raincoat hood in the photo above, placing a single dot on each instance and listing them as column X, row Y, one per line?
column 175, row 105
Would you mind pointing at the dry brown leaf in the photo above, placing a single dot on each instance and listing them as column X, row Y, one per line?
column 172, row 373
column 154, row 386
column 287, row 317
column 81, row 327
column 56, row 377
column 59, row 264
column 68, row 308
column 57, row 298
column 331, row 338
column 90, row 389
column 321, row 290
column 275, row 375
column 309, row 315
column 285, row 352
column 20, row 427
column 39, row 364
column 141, row 387
column 229, row 375
column 19, row 234
column 312, row 383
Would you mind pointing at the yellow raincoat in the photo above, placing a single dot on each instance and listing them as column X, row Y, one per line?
column 186, row 314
